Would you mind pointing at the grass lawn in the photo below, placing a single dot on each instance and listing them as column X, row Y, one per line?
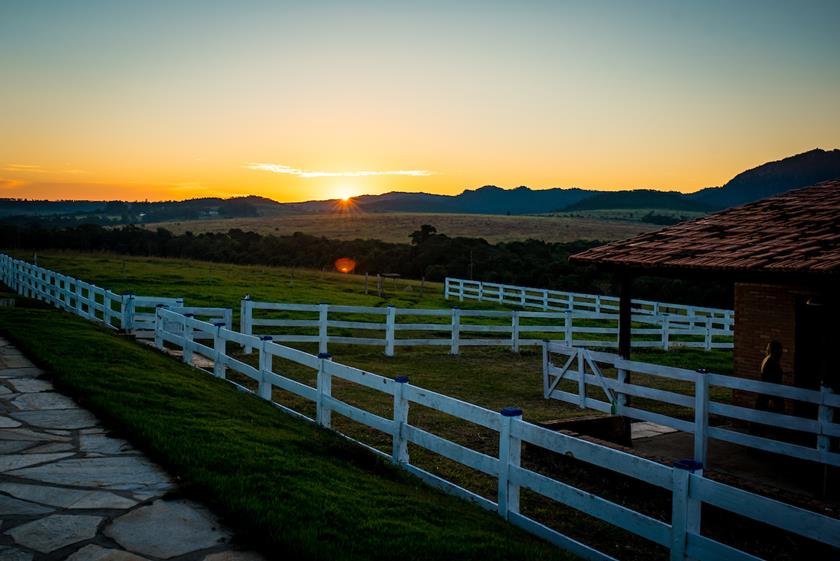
column 292, row 489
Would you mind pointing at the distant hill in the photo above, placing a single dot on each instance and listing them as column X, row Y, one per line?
column 763, row 181
column 773, row 178
column 640, row 198
column 484, row 200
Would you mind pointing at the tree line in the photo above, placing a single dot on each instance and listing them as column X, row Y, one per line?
column 430, row 255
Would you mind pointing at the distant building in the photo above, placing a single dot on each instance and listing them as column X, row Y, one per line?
column 783, row 256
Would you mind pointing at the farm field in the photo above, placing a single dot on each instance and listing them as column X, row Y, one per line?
column 491, row 377
column 396, row 227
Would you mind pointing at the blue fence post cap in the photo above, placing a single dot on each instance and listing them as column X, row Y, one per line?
column 401, row 379
column 702, row 371
column 246, row 297
column 324, row 355
column 511, row 412
column 689, row 465
column 265, row 337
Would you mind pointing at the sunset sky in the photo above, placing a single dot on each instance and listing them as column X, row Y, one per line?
column 314, row 100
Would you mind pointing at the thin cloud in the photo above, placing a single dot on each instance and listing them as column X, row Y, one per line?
column 279, row 168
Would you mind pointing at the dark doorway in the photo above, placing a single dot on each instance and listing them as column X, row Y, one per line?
column 810, row 347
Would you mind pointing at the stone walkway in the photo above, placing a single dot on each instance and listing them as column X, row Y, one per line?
column 70, row 491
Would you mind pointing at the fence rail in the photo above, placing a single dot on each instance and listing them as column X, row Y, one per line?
column 558, row 300
column 391, row 327
column 681, row 534
column 613, row 380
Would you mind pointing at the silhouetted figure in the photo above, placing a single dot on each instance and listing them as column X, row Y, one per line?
column 771, row 371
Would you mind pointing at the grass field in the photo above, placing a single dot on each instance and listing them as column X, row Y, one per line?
column 291, row 489
column 396, row 227
column 491, row 377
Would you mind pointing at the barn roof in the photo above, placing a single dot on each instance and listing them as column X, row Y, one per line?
column 797, row 232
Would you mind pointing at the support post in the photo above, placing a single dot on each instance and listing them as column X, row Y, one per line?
column 264, row 387
column 708, row 339
column 188, row 339
column 245, row 326
column 79, row 298
column 390, row 320
column 568, row 329
column 219, row 350
column 456, row 331
column 159, row 326
column 514, row 332
column 545, row 364
column 127, row 320
column 581, row 368
column 625, row 310
column 510, row 453
column 446, row 282
column 323, row 413
column 701, row 415
column 666, row 332
column 685, row 511
column 399, row 451
column 824, row 417
column 323, row 326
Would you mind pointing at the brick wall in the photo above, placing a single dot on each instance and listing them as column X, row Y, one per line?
column 763, row 312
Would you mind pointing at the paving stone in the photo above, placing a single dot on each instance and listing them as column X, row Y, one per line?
column 9, row 462
column 26, row 372
column 235, row 556
column 10, row 506
column 94, row 552
column 167, row 529
column 55, row 531
column 8, row 422
column 66, row 498
column 51, row 448
column 12, row 446
column 29, row 385
column 103, row 444
column 43, row 401
column 69, row 419
column 28, row 434
column 14, row 554
column 125, row 473
column 17, row 361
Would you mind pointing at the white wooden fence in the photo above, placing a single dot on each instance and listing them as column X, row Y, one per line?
column 456, row 328
column 543, row 299
column 613, row 379
column 681, row 535
column 133, row 314
column 685, row 480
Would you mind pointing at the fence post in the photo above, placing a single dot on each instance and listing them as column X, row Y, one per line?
column 219, row 344
column 824, row 417
column 106, row 303
column 480, row 291
column 188, row 339
column 567, row 328
column 545, row 365
column 545, row 300
column 460, row 290
column 159, row 326
column 323, row 413
column 708, row 340
column 701, row 415
column 620, row 397
column 514, row 332
column 685, row 511
column 128, row 312
column 666, row 332
column 245, row 326
column 597, row 303
column 445, row 287
column 510, row 452
column 264, row 387
column 399, row 451
column 323, row 326
column 501, row 294
column 390, row 320
column 522, row 297
column 581, row 366
column 456, row 331
column 79, row 297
